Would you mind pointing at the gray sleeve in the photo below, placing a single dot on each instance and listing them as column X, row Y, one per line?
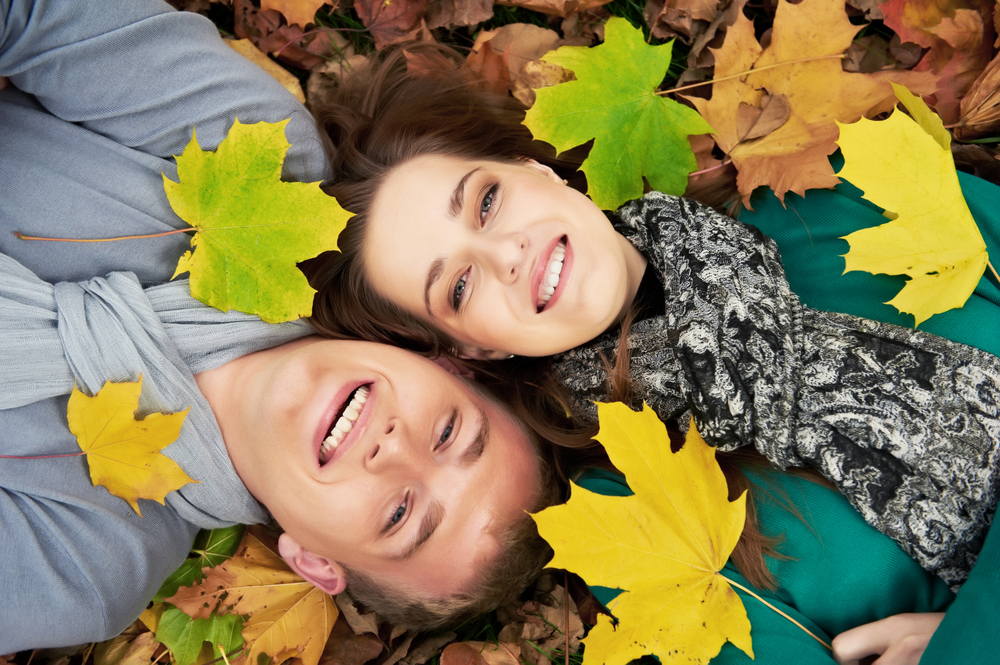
column 78, row 565
column 142, row 75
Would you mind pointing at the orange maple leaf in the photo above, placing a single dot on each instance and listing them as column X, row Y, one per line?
column 295, row 11
column 809, row 37
column 287, row 617
column 124, row 453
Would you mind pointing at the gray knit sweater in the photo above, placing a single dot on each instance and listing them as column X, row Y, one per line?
column 904, row 423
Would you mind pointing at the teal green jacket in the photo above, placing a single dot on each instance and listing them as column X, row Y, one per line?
column 840, row 573
column 809, row 230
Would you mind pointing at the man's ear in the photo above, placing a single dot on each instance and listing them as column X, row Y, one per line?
column 324, row 574
column 544, row 170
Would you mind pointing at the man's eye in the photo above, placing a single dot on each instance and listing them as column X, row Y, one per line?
column 459, row 290
column 446, row 434
column 487, row 203
column 398, row 515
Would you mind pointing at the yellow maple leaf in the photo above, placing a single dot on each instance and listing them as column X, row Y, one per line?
column 802, row 64
column 124, row 453
column 300, row 12
column 287, row 617
column 665, row 546
column 933, row 239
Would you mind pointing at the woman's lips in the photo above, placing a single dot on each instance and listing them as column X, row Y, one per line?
column 549, row 273
column 350, row 417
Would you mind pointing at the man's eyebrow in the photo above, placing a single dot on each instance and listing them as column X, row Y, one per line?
column 432, row 520
column 458, row 196
column 478, row 445
column 433, row 275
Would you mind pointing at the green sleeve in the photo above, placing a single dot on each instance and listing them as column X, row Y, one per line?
column 808, row 231
column 968, row 632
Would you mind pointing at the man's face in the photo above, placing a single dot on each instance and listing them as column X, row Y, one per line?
column 418, row 486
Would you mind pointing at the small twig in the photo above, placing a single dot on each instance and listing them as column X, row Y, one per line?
column 750, row 71
column 993, row 270
column 808, row 632
column 20, row 235
column 566, row 602
column 725, row 162
column 42, row 456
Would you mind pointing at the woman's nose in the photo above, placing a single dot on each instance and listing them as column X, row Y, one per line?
column 505, row 254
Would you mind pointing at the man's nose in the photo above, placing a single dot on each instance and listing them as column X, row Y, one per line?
column 393, row 448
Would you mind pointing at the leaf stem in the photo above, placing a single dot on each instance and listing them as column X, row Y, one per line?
column 21, row 236
column 725, row 162
column 808, row 632
column 750, row 71
column 79, row 454
column 993, row 270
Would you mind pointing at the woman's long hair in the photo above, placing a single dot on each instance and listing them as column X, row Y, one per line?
column 377, row 119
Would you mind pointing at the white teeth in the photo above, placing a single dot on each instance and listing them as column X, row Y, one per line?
column 551, row 279
column 344, row 424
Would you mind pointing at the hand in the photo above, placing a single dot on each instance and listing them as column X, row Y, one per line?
column 898, row 640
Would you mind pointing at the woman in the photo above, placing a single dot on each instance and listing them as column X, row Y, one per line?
column 467, row 240
column 87, row 132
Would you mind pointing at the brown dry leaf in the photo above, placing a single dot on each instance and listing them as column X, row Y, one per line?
column 344, row 647
column 958, row 36
column 980, row 108
column 679, row 17
column 481, row 653
column 520, row 44
column 328, row 75
column 446, row 13
column 562, row 8
column 359, row 623
column 248, row 50
column 428, row 648
column 402, row 650
column 269, row 30
column 140, row 650
column 491, row 68
column 819, row 92
column 392, row 21
column 538, row 74
column 300, row 12
column 286, row 616
column 584, row 28
column 754, row 122
column 112, row 651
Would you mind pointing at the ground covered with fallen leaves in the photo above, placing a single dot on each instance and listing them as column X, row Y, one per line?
column 755, row 94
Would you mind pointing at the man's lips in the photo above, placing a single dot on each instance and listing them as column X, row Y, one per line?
column 334, row 412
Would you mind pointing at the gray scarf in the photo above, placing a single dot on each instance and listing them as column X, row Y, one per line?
column 111, row 329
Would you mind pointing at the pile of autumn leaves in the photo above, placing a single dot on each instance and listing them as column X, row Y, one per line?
column 777, row 106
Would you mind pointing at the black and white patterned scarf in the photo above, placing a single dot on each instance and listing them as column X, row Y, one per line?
column 904, row 423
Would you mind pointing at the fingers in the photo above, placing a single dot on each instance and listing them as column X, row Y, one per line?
column 900, row 639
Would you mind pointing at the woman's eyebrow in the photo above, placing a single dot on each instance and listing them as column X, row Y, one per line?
column 458, row 196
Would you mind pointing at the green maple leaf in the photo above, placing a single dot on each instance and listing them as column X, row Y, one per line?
column 186, row 637
column 637, row 134
column 210, row 548
column 252, row 228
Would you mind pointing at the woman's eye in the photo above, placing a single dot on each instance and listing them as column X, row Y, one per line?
column 487, row 203
column 459, row 290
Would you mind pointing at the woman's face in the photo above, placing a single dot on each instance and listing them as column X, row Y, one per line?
column 474, row 249
column 417, row 489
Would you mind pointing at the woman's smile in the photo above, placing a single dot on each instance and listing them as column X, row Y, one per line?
column 501, row 256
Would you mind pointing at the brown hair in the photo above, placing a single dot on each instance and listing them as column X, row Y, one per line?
column 376, row 120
